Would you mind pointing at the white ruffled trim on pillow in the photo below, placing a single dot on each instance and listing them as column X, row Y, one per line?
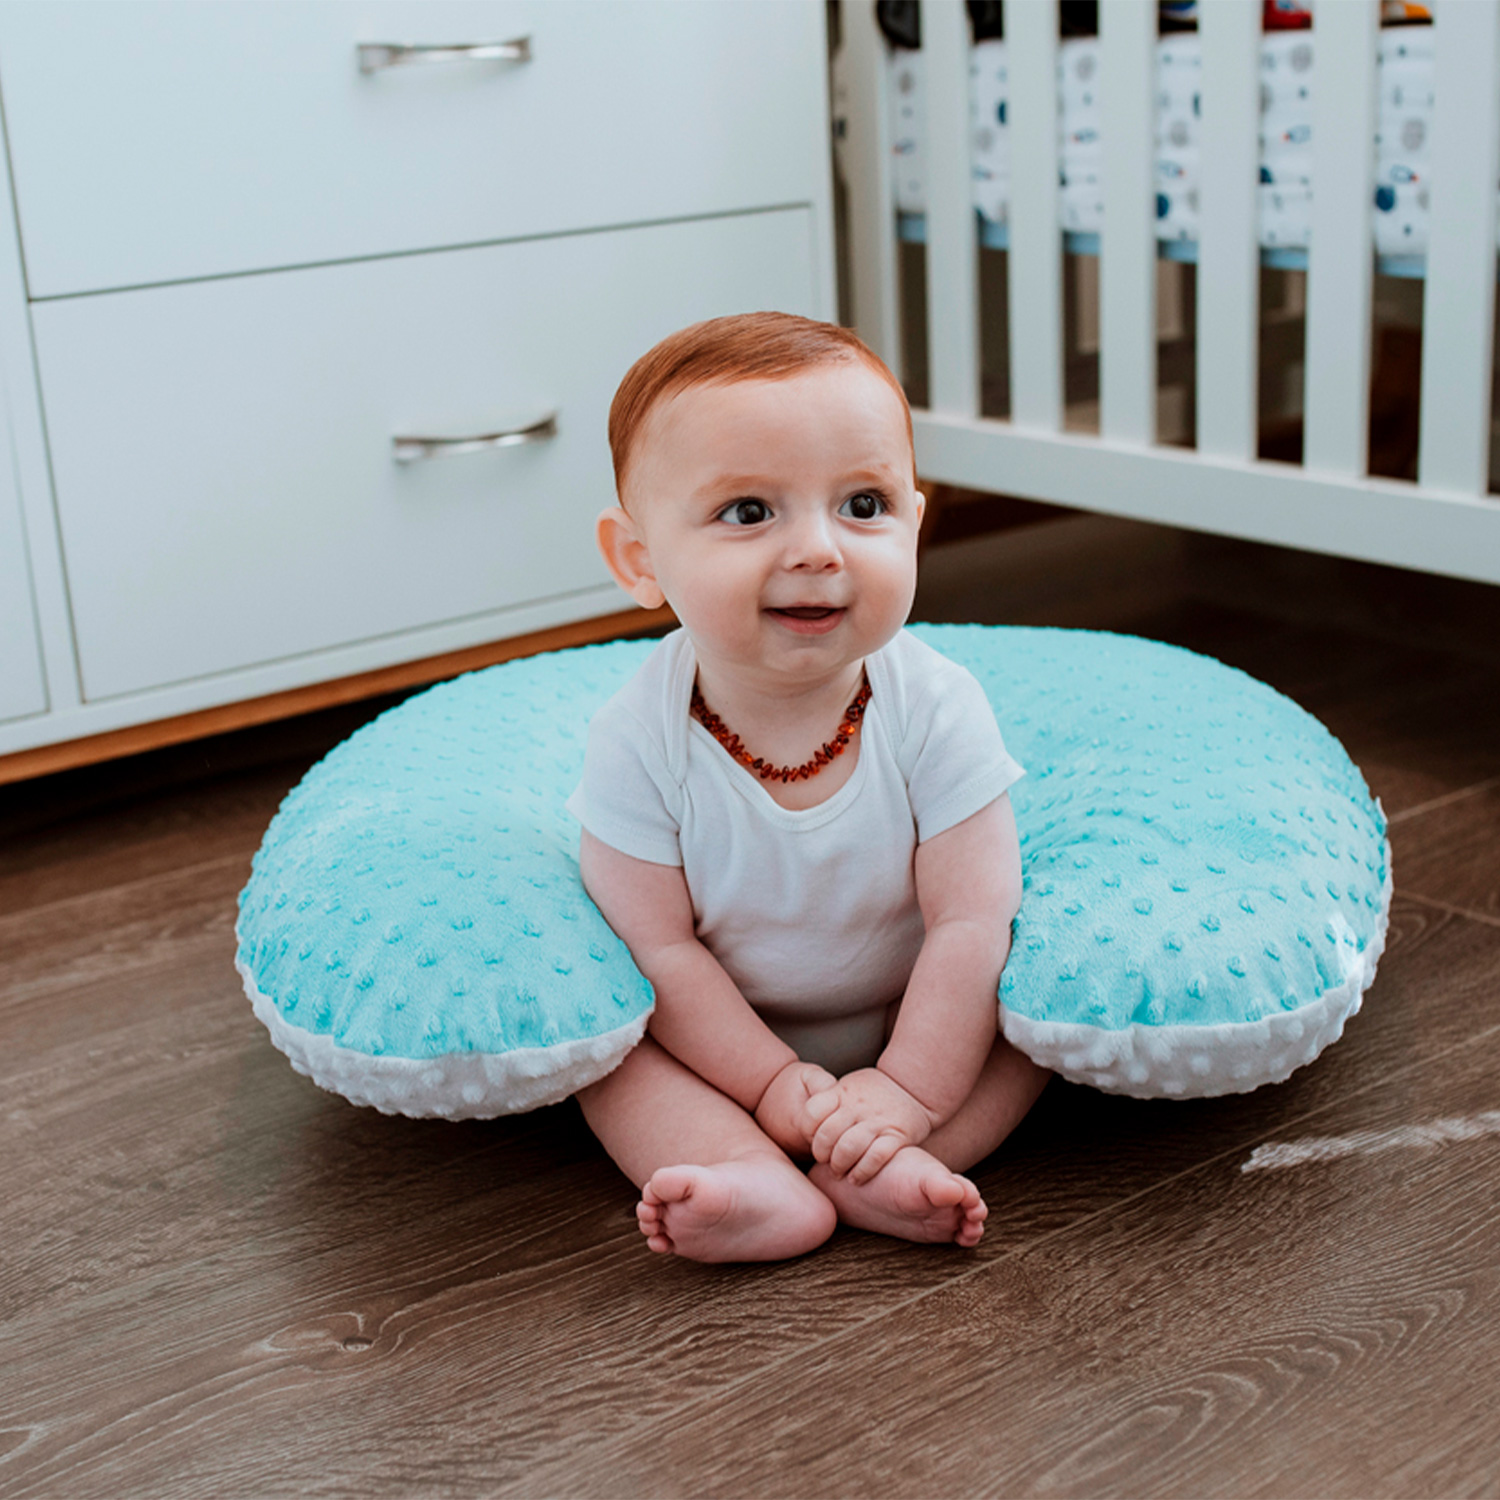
column 1199, row 1062
column 455, row 1086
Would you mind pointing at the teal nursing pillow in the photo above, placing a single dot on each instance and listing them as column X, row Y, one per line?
column 1207, row 879
column 1206, row 883
column 414, row 934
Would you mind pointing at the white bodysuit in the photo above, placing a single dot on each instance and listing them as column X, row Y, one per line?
column 812, row 913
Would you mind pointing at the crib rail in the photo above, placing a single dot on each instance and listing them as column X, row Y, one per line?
column 1445, row 522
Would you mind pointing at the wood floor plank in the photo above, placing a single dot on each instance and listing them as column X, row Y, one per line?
column 1385, row 605
column 94, row 963
column 1291, row 1331
column 1092, row 572
column 213, row 820
column 1451, row 853
column 179, row 1133
column 216, row 1280
column 223, row 1256
column 1439, row 735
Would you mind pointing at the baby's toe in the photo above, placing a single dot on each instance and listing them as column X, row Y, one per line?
column 945, row 1190
column 671, row 1185
column 650, row 1220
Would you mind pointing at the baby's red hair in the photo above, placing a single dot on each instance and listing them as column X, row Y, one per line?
column 745, row 346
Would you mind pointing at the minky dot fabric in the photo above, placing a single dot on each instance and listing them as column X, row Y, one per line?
column 1206, row 882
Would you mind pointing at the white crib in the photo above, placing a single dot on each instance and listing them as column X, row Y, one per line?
column 1445, row 522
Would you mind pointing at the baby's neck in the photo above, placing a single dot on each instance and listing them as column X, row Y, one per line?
column 787, row 725
column 771, row 709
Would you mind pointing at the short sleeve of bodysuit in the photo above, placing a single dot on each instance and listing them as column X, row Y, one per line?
column 950, row 751
column 628, row 797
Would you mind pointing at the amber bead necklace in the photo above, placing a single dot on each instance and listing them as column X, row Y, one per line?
column 763, row 768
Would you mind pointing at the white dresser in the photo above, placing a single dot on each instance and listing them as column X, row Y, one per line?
column 249, row 256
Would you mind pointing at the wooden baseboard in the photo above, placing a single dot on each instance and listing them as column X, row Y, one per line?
column 21, row 765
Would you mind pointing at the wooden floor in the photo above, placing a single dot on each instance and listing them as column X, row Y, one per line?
column 217, row 1281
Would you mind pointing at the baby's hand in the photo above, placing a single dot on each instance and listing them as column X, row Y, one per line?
column 862, row 1122
column 782, row 1111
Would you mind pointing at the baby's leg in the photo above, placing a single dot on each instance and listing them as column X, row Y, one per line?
column 1007, row 1088
column 919, row 1194
column 714, row 1186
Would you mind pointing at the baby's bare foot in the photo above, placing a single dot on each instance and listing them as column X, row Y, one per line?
column 913, row 1197
column 755, row 1208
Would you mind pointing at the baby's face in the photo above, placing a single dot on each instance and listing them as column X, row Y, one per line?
column 780, row 519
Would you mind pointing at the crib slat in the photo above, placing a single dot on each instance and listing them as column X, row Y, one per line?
column 872, row 207
column 952, row 234
column 1458, row 304
column 1228, row 253
column 1127, row 264
column 1035, row 261
column 1336, row 407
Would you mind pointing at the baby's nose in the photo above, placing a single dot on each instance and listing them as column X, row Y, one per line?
column 813, row 543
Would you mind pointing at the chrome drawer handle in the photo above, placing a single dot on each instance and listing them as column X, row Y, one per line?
column 408, row 450
column 373, row 56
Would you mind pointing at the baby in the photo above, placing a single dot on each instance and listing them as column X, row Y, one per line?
column 795, row 816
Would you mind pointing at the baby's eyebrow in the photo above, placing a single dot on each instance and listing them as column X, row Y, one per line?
column 719, row 492
column 736, row 484
column 727, row 487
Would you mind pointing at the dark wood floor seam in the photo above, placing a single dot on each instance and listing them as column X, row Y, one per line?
column 1407, row 813
column 723, row 1397
column 1487, row 918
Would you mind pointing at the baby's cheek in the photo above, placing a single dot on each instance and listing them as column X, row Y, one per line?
column 718, row 607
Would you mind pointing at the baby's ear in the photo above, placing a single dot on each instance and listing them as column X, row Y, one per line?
column 921, row 500
column 626, row 557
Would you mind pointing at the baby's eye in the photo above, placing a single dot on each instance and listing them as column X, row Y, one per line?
column 746, row 513
column 864, row 506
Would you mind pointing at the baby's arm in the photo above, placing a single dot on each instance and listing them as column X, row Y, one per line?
column 700, row 1017
column 969, row 888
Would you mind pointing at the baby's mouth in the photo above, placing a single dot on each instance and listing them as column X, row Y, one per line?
column 809, row 619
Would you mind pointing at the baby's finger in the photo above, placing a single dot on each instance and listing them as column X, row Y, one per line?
column 818, row 1107
column 851, row 1147
column 828, row 1134
column 882, row 1149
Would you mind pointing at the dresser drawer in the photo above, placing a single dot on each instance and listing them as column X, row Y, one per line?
column 223, row 456
column 155, row 142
